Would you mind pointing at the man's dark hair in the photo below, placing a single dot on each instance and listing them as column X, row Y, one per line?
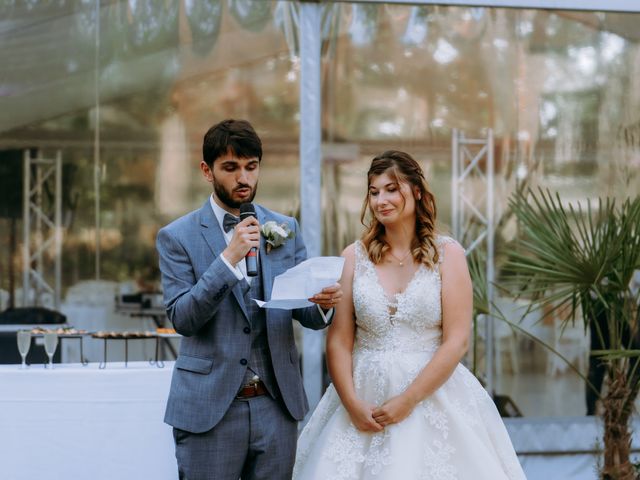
column 231, row 136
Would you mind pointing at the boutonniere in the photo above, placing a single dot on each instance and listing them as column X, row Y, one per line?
column 275, row 234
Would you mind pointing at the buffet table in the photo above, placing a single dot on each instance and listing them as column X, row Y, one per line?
column 77, row 422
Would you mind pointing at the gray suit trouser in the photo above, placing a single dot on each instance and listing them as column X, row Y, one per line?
column 255, row 440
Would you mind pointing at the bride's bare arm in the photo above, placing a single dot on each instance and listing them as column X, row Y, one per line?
column 340, row 339
column 457, row 307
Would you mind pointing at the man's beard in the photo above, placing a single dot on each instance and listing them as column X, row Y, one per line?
column 225, row 197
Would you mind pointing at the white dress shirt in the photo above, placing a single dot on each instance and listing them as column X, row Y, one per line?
column 240, row 270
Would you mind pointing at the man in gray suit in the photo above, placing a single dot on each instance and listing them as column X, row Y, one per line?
column 236, row 393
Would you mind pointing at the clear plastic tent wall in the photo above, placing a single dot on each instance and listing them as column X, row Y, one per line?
column 125, row 90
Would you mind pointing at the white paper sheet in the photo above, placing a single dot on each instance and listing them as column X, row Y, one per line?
column 292, row 288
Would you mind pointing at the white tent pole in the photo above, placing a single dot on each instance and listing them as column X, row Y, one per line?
column 310, row 176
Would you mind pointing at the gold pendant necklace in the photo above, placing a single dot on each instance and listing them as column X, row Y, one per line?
column 400, row 261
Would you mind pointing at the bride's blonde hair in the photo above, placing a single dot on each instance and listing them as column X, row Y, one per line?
column 401, row 167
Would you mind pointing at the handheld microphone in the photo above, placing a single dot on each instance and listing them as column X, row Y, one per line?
column 251, row 259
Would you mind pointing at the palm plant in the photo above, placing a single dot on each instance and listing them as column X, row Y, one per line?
column 584, row 260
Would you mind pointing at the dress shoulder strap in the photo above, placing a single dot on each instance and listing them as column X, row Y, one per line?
column 441, row 241
column 362, row 258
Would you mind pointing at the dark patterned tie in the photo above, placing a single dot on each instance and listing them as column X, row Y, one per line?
column 229, row 222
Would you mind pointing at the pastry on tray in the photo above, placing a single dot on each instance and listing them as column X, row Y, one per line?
column 123, row 335
column 59, row 331
column 165, row 330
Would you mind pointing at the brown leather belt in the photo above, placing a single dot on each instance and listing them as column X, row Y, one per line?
column 252, row 390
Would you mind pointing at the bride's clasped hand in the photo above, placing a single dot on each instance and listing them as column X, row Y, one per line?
column 371, row 418
column 361, row 414
column 394, row 410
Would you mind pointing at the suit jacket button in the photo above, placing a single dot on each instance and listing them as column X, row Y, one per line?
column 243, row 361
column 247, row 330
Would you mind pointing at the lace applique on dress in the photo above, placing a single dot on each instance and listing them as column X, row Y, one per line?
column 437, row 462
column 441, row 242
column 373, row 458
column 436, row 417
column 379, row 455
column 345, row 450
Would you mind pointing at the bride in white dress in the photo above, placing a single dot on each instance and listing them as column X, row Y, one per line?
column 401, row 406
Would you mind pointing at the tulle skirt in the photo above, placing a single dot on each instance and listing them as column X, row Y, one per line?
column 456, row 433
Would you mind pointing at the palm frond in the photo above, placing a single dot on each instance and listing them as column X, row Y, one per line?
column 573, row 256
column 615, row 354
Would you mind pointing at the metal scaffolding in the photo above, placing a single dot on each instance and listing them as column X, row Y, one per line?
column 42, row 229
column 472, row 210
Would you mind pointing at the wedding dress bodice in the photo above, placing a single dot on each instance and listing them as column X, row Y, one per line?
column 409, row 321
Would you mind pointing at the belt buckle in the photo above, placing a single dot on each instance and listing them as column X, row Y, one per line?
column 254, row 383
column 255, row 380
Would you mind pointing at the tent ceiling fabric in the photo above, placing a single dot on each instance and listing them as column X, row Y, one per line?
column 134, row 60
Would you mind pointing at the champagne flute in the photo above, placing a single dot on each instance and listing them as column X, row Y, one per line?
column 24, row 343
column 50, row 344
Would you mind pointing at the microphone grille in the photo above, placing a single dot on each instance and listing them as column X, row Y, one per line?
column 247, row 210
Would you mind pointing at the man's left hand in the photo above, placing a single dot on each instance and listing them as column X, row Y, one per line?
column 329, row 297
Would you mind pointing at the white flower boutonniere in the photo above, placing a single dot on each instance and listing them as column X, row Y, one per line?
column 275, row 234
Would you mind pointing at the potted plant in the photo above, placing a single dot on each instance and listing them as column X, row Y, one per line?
column 584, row 260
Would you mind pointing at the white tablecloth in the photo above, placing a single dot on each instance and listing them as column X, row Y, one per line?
column 77, row 422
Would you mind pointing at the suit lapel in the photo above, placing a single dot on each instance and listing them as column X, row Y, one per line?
column 212, row 233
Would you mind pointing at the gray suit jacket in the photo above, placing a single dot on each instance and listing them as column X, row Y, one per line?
column 204, row 302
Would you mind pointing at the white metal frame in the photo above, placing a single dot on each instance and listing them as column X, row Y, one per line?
column 42, row 230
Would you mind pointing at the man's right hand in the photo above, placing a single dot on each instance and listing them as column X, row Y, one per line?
column 246, row 235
